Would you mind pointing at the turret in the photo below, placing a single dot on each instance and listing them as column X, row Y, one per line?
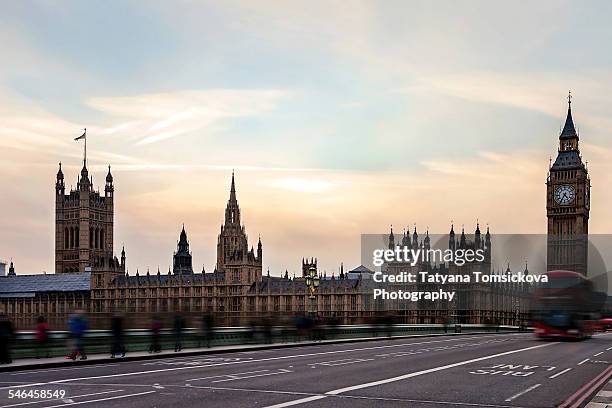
column 451, row 238
column 11, row 271
column 84, row 182
column 391, row 239
column 415, row 238
column 259, row 250
column 60, row 187
column 406, row 239
column 462, row 239
column 182, row 261
column 123, row 258
column 109, row 188
column 477, row 239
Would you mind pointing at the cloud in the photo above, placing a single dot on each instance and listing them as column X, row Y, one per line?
column 302, row 185
column 541, row 92
column 159, row 116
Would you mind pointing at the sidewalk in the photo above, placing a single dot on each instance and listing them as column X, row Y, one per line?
column 34, row 363
column 603, row 399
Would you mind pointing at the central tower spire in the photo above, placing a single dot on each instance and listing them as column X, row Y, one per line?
column 232, row 211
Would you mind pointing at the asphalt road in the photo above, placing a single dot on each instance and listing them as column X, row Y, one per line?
column 504, row 370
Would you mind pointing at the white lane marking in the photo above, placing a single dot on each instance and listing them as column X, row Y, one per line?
column 59, row 399
column 161, row 370
column 280, row 371
column 598, row 354
column 453, row 403
column 515, row 396
column 439, row 348
column 560, row 373
column 101, row 399
column 225, row 375
column 297, row 402
column 22, row 386
column 406, row 376
column 344, row 361
column 609, row 348
column 583, row 361
column 64, row 369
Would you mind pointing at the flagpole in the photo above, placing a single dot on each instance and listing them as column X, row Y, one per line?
column 85, row 155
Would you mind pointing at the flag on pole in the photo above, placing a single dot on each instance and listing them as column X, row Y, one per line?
column 83, row 136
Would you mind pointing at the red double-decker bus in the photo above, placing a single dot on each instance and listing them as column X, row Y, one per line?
column 563, row 307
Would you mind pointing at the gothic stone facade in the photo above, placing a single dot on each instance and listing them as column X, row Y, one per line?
column 88, row 275
column 568, row 196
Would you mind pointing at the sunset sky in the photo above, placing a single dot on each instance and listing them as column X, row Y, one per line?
column 339, row 118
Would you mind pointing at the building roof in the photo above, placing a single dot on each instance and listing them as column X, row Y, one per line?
column 569, row 130
column 568, row 160
column 28, row 285
column 167, row 279
column 361, row 269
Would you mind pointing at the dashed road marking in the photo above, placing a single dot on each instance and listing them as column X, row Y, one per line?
column 560, row 373
column 404, row 377
column 344, row 361
column 241, row 376
column 191, row 367
column 515, row 396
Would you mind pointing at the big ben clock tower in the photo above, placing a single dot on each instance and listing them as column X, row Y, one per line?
column 567, row 203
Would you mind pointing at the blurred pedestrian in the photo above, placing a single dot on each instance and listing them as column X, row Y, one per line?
column 6, row 337
column 42, row 337
column 78, row 326
column 118, row 346
column 207, row 329
column 179, row 325
column 156, row 326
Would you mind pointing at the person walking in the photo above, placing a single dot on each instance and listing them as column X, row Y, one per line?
column 78, row 326
column 179, row 325
column 118, row 346
column 42, row 337
column 156, row 326
column 6, row 337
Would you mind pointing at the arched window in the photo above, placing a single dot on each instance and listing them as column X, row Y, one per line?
column 91, row 238
column 97, row 241
column 102, row 238
column 66, row 238
column 71, row 237
column 76, row 237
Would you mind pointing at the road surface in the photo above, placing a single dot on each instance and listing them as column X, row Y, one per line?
column 502, row 370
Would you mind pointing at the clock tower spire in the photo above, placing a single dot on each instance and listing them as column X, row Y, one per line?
column 567, row 203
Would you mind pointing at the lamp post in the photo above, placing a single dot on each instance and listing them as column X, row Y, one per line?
column 312, row 283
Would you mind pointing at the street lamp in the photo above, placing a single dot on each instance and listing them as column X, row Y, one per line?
column 312, row 283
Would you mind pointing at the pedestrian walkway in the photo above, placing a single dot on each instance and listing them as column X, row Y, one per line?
column 105, row 358
column 603, row 399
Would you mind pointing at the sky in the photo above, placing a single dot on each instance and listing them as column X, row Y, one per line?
column 339, row 119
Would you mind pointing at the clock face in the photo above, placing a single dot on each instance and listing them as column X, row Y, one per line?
column 565, row 195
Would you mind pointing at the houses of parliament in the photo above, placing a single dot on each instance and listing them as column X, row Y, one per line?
column 89, row 276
